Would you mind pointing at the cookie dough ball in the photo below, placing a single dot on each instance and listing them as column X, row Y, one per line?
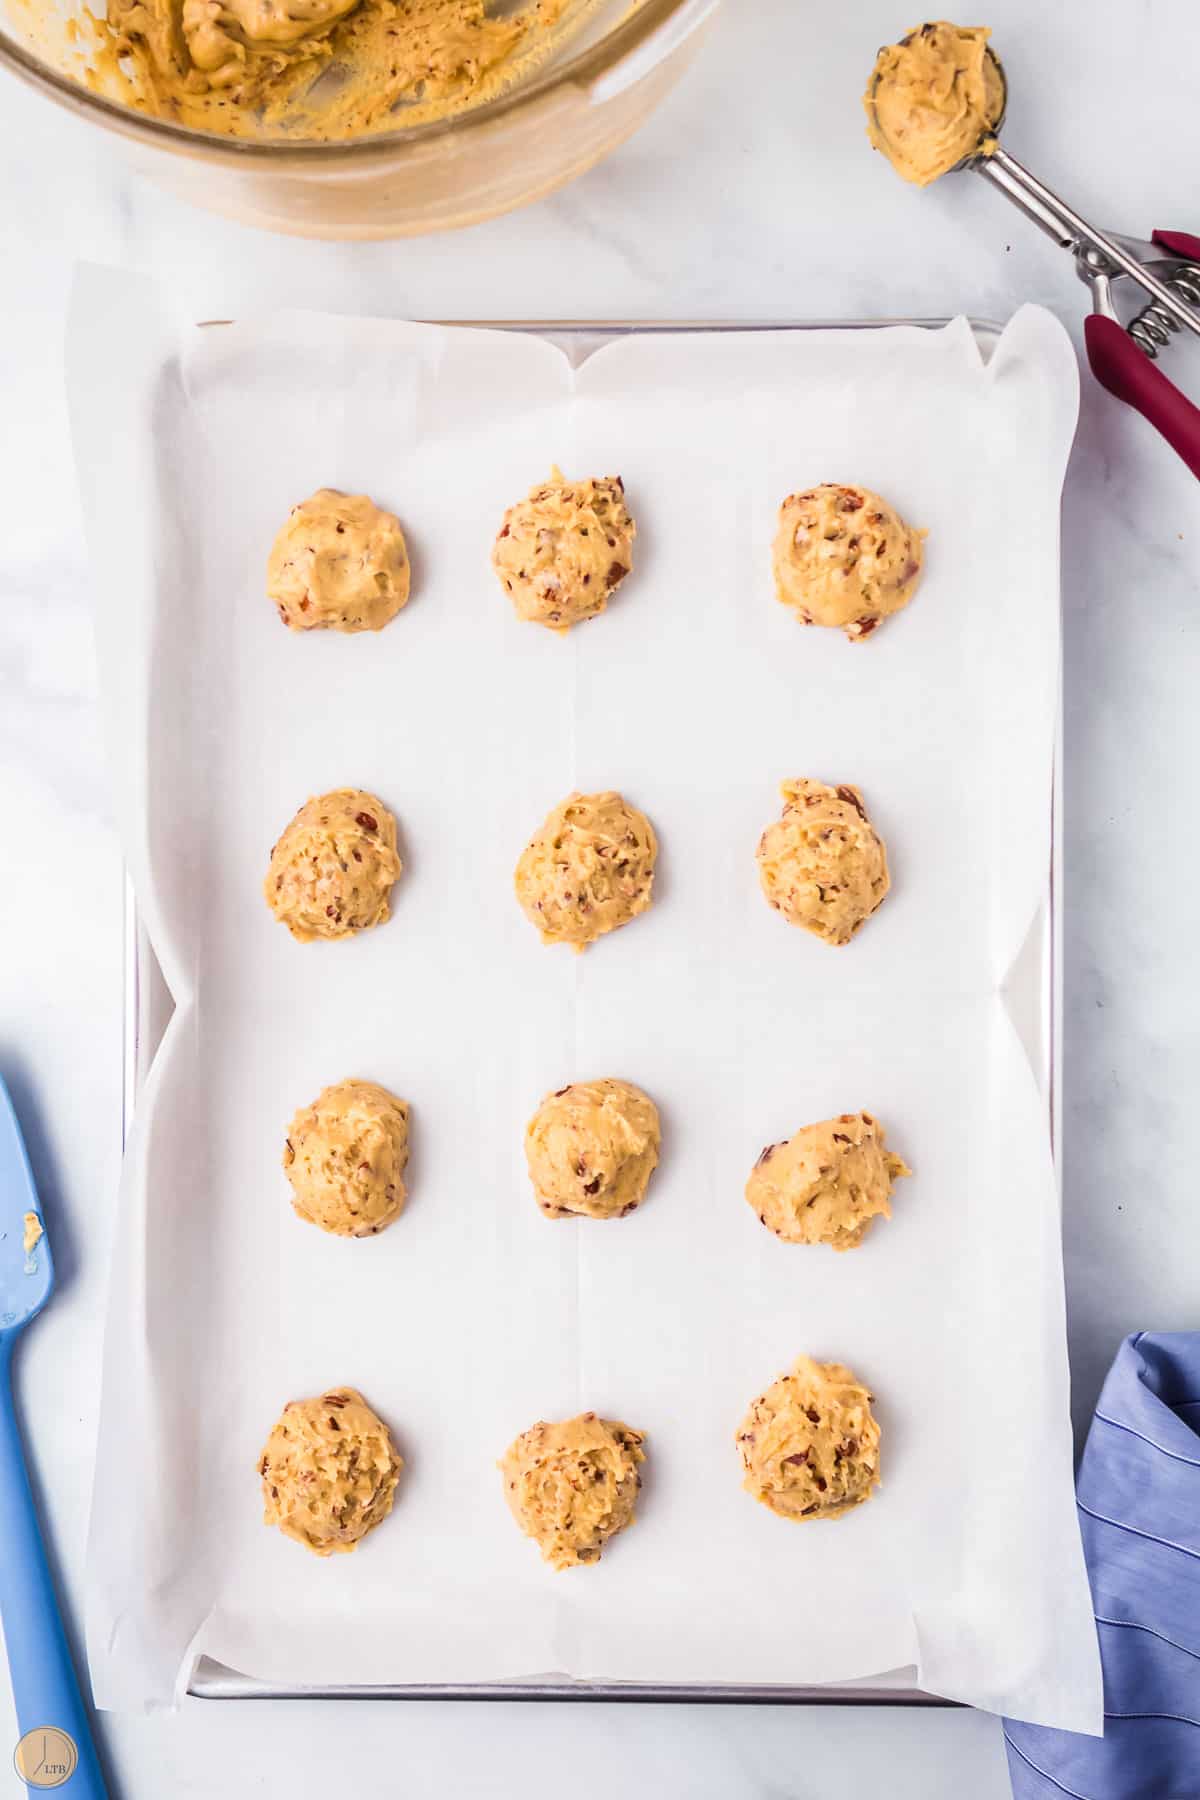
column 563, row 549
column 827, row 1183
column 329, row 1470
column 345, row 1157
column 573, row 1485
column 843, row 557
column 332, row 871
column 339, row 564
column 822, row 864
column 588, row 869
column 591, row 1149
column 810, row 1444
column 934, row 98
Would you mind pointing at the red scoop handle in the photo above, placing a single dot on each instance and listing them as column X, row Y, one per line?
column 1178, row 243
column 1119, row 365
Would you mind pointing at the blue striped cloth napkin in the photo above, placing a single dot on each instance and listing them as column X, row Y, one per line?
column 1139, row 1515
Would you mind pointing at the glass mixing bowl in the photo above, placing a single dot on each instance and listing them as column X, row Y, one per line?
column 606, row 79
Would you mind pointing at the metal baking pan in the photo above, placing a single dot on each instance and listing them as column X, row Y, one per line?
column 1034, row 995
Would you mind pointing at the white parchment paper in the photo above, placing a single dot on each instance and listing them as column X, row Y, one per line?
column 696, row 694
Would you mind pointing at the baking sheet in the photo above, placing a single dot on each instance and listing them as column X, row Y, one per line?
column 695, row 694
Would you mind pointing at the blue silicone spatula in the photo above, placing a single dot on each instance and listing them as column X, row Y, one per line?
column 51, row 1719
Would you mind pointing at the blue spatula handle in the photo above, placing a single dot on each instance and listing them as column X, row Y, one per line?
column 44, row 1686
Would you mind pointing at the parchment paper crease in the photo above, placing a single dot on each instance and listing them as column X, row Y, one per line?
column 696, row 694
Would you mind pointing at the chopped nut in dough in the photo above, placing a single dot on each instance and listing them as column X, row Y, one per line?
column 822, row 864
column 339, row 563
column 345, row 1157
column 826, row 1184
column 572, row 1486
column 592, row 1148
column 562, row 551
column 810, row 1444
column 845, row 558
column 332, row 871
column 329, row 1470
column 588, row 869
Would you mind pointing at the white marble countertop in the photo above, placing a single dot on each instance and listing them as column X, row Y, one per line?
column 751, row 194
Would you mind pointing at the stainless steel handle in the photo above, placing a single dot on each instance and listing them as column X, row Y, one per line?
column 1094, row 249
column 1035, row 201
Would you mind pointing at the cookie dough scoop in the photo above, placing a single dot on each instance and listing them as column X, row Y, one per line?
column 573, row 1485
column 591, row 1149
column 822, row 864
column 809, row 1445
column 936, row 102
column 339, row 563
column 345, row 1157
column 329, row 1471
column 827, row 1184
column 935, row 99
column 332, row 871
column 587, row 870
column 844, row 557
column 562, row 552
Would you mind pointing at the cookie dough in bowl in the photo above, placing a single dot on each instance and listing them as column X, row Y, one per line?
column 822, row 864
column 845, row 558
column 935, row 98
column 252, row 68
column 592, row 1148
column 329, row 1471
column 810, row 1444
column 332, row 871
column 339, row 563
column 573, row 1485
column 587, row 870
column 345, row 1157
column 562, row 551
column 826, row 1184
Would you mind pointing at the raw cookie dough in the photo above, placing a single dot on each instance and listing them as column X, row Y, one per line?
column 844, row 557
column 591, row 1149
column 810, row 1445
column 339, row 564
column 573, row 1485
column 333, row 869
column 933, row 99
column 823, row 865
column 562, row 550
column 252, row 68
column 345, row 1157
column 827, row 1183
column 588, row 869
column 329, row 1470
